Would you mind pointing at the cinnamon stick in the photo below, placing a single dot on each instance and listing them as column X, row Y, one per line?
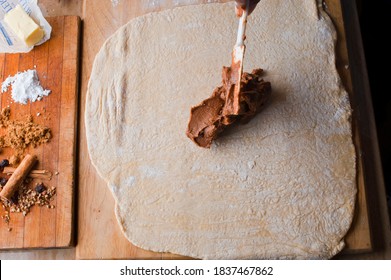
column 18, row 177
column 35, row 173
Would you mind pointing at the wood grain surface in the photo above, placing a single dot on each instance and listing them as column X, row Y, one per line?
column 359, row 237
column 56, row 62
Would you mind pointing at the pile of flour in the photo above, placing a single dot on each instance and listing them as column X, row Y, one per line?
column 25, row 87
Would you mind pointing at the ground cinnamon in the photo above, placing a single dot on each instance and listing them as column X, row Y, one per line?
column 20, row 134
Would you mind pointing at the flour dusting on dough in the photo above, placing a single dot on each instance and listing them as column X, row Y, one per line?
column 281, row 187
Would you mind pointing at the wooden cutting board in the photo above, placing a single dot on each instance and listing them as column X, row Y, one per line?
column 56, row 62
column 96, row 205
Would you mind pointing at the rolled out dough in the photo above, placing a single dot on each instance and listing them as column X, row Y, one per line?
column 282, row 186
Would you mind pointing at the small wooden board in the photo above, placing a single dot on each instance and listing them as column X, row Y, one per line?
column 57, row 64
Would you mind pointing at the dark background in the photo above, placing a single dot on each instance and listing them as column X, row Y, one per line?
column 375, row 21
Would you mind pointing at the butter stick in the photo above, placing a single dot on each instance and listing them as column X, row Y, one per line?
column 24, row 26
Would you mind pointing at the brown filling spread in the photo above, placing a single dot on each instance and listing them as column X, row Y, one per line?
column 213, row 115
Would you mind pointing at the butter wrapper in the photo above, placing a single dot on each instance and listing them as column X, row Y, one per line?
column 9, row 41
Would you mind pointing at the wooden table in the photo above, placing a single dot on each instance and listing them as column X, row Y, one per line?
column 98, row 235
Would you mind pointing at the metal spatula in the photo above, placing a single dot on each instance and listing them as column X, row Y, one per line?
column 232, row 98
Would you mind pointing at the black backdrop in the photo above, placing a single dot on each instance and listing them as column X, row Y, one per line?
column 375, row 20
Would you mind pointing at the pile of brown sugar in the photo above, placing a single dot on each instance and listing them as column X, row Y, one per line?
column 22, row 133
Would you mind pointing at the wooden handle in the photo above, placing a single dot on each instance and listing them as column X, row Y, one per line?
column 18, row 177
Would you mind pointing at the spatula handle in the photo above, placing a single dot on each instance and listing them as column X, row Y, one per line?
column 242, row 26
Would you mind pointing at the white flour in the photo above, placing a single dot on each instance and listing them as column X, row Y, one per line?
column 25, row 87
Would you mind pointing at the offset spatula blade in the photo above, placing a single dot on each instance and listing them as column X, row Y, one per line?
column 232, row 100
column 236, row 75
